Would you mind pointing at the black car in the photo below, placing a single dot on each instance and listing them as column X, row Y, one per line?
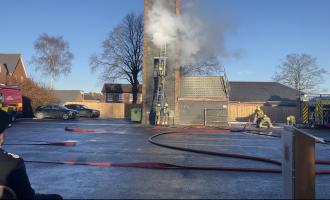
column 83, row 110
column 56, row 112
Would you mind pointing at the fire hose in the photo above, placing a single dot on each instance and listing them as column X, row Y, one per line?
column 157, row 165
column 65, row 143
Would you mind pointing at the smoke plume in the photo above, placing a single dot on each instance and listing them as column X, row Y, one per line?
column 190, row 37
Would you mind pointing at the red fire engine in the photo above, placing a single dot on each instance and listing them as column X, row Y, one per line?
column 11, row 101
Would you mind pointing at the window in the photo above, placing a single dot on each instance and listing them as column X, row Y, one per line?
column 120, row 97
column 109, row 97
column 55, row 107
column 47, row 107
column 131, row 98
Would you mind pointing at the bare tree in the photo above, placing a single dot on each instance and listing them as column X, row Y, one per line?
column 209, row 67
column 122, row 53
column 300, row 71
column 53, row 57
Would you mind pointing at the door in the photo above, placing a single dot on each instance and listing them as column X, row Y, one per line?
column 46, row 111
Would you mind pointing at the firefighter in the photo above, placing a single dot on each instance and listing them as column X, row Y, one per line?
column 161, row 70
column 261, row 118
column 258, row 114
column 291, row 120
column 12, row 170
column 166, row 113
column 265, row 119
column 158, row 111
column 1, row 101
column 5, row 109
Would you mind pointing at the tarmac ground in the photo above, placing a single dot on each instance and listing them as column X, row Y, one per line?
column 120, row 141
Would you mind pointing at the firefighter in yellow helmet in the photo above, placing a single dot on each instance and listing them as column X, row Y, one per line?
column 291, row 120
column 261, row 118
column 258, row 114
column 158, row 110
column 161, row 70
column 166, row 113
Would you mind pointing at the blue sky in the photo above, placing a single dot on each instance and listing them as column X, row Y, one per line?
column 263, row 31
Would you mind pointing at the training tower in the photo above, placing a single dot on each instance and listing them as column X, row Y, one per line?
column 152, row 58
column 191, row 100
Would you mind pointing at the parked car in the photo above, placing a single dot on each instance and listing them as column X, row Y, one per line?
column 84, row 111
column 55, row 112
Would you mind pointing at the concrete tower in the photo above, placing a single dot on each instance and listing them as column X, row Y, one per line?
column 150, row 52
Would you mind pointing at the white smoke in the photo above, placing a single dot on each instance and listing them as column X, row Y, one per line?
column 193, row 38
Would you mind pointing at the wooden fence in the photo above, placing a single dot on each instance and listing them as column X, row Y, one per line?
column 245, row 111
column 107, row 110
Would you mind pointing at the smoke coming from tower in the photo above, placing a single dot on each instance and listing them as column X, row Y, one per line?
column 191, row 38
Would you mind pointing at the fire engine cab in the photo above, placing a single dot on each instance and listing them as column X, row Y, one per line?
column 316, row 110
column 11, row 101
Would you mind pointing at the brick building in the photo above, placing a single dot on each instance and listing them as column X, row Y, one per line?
column 11, row 67
column 120, row 93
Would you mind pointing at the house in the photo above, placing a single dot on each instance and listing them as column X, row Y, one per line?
column 120, row 93
column 277, row 100
column 69, row 95
column 93, row 97
column 11, row 66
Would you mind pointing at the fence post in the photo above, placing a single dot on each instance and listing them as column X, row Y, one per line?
column 298, row 164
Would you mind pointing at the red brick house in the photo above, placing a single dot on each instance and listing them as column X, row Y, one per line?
column 11, row 66
column 120, row 93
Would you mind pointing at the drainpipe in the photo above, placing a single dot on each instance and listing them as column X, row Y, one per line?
column 205, row 116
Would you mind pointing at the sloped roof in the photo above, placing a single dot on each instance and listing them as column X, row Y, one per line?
column 119, row 88
column 261, row 92
column 88, row 96
column 239, row 91
column 67, row 95
column 10, row 60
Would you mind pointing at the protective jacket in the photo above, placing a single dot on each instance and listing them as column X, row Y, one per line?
column 13, row 174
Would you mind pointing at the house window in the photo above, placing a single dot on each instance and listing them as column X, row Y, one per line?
column 131, row 97
column 140, row 97
column 120, row 97
column 109, row 97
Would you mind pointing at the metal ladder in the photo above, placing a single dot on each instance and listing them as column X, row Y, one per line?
column 160, row 97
